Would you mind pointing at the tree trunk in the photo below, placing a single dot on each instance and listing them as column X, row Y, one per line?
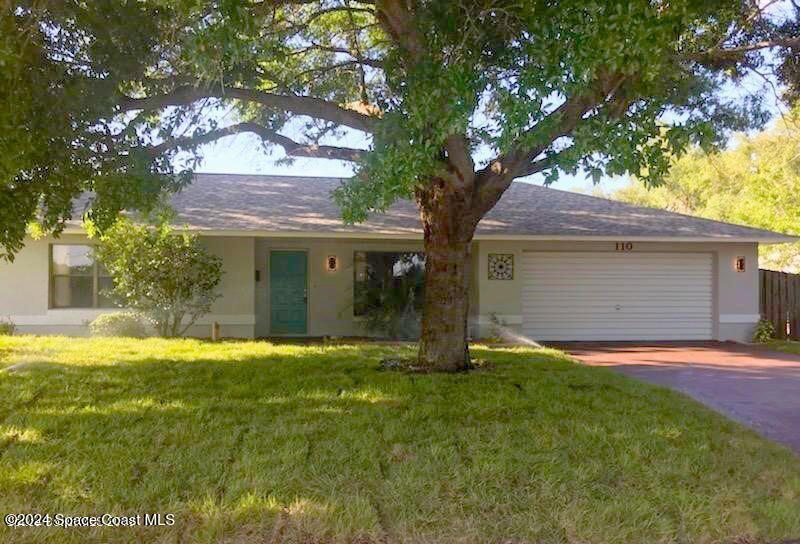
column 177, row 319
column 448, row 227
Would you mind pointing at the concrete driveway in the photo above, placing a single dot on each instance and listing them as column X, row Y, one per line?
column 752, row 385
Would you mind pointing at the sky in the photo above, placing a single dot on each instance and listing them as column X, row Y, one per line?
column 244, row 154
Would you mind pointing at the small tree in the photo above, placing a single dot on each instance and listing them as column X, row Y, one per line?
column 166, row 275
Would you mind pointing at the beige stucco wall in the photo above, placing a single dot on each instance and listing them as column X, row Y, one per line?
column 330, row 294
column 24, row 283
column 735, row 296
column 235, row 309
column 243, row 309
column 24, row 291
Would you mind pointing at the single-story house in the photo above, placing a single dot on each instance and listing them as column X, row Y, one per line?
column 549, row 264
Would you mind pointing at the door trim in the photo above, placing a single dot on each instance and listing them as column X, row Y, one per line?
column 269, row 289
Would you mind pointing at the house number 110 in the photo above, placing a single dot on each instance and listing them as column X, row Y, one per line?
column 624, row 246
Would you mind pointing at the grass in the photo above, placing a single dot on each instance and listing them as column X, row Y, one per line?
column 253, row 441
column 787, row 346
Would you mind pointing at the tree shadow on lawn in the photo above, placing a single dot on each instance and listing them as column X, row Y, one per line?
column 316, row 444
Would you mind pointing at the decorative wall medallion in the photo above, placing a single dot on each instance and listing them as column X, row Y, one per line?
column 501, row 266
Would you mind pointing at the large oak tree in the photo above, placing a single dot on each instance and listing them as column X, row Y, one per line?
column 452, row 100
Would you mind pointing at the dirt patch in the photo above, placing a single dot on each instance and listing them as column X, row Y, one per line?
column 410, row 366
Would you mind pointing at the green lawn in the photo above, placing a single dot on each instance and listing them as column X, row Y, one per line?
column 787, row 346
column 258, row 442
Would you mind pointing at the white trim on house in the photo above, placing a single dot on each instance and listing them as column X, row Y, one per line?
column 486, row 319
column 78, row 316
column 739, row 318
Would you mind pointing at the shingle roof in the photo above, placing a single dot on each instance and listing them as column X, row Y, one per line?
column 225, row 202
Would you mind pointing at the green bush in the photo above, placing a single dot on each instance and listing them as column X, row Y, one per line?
column 7, row 327
column 128, row 324
column 398, row 313
column 764, row 331
column 392, row 307
column 166, row 275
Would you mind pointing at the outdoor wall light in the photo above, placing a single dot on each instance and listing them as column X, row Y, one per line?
column 332, row 263
column 738, row 264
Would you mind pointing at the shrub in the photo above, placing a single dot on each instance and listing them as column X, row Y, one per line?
column 7, row 327
column 391, row 305
column 167, row 276
column 398, row 314
column 119, row 324
column 764, row 331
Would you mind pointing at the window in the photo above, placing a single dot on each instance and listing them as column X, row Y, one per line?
column 377, row 272
column 76, row 280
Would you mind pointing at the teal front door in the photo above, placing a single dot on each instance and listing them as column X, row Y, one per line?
column 288, row 292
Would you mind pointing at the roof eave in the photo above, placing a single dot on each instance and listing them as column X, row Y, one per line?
column 776, row 239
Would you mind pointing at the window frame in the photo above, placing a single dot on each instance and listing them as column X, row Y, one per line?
column 52, row 277
column 357, row 315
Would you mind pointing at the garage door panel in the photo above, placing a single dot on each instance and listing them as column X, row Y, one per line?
column 642, row 279
column 613, row 295
column 616, row 336
column 554, row 312
column 567, row 256
column 642, row 332
column 609, row 264
column 591, row 317
column 609, row 296
column 663, row 271
column 605, row 294
column 595, row 321
column 600, row 290
column 609, row 267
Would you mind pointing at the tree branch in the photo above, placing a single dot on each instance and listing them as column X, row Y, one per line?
column 268, row 5
column 460, row 158
column 540, row 165
column 366, row 61
column 320, row 70
column 733, row 53
column 337, row 9
column 299, row 105
column 495, row 178
column 399, row 24
column 291, row 147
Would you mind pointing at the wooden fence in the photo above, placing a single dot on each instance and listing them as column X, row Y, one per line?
column 780, row 301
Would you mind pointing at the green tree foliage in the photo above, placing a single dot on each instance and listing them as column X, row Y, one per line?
column 60, row 72
column 105, row 93
column 756, row 182
column 167, row 276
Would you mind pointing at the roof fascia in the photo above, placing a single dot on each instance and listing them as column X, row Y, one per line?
column 776, row 239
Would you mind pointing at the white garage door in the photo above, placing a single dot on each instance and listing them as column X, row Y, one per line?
column 617, row 296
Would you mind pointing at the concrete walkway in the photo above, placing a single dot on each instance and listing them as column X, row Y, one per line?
column 752, row 385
